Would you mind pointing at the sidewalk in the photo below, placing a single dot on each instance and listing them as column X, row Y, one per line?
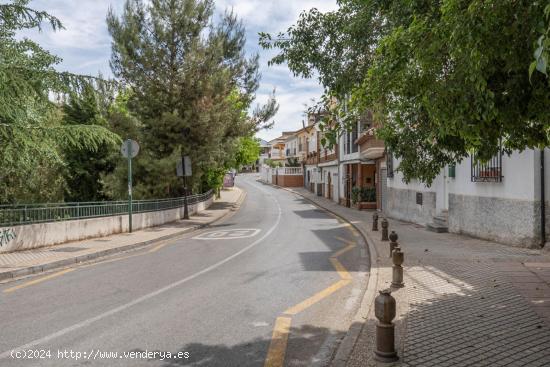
column 466, row 302
column 22, row 263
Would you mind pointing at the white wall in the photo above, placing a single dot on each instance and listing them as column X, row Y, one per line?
column 518, row 181
column 47, row 234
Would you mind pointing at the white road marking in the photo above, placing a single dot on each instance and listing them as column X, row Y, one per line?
column 228, row 234
column 260, row 324
column 146, row 297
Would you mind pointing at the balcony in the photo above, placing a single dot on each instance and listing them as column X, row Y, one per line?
column 327, row 156
column 312, row 158
column 370, row 147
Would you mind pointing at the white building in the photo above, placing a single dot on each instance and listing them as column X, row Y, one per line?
column 499, row 201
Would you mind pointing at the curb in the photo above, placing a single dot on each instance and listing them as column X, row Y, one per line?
column 347, row 344
column 36, row 269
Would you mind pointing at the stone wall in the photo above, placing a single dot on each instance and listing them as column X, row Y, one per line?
column 510, row 221
column 401, row 204
column 30, row 236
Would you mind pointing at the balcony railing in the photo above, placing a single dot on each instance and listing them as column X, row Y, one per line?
column 312, row 158
column 327, row 157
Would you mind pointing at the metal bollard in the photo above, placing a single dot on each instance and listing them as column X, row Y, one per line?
column 375, row 222
column 393, row 241
column 397, row 276
column 384, row 310
column 385, row 225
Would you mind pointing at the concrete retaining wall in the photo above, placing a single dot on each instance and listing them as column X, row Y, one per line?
column 401, row 204
column 509, row 221
column 30, row 236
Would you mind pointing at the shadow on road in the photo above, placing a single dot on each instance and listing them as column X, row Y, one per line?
column 304, row 344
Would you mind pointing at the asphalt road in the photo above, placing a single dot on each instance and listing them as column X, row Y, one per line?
column 279, row 280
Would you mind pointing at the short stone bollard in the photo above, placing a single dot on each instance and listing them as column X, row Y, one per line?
column 375, row 222
column 393, row 241
column 397, row 276
column 385, row 225
column 384, row 310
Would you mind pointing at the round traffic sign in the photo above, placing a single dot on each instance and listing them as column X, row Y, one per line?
column 127, row 145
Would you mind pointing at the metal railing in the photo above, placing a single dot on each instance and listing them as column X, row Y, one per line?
column 19, row 214
column 490, row 171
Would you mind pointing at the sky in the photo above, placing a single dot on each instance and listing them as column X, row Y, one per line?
column 85, row 46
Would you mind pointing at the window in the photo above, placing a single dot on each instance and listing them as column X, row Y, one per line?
column 354, row 136
column 490, row 171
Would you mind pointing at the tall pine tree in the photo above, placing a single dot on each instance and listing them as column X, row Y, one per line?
column 192, row 87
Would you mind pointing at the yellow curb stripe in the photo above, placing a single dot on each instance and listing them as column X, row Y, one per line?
column 342, row 271
column 343, row 251
column 158, row 247
column 36, row 281
column 279, row 339
column 317, row 297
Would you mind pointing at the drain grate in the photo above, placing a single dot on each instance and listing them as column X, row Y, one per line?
column 69, row 249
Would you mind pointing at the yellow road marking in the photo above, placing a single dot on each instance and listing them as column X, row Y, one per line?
column 344, row 250
column 39, row 280
column 279, row 340
column 345, row 240
column 158, row 247
column 340, row 269
column 317, row 297
column 352, row 229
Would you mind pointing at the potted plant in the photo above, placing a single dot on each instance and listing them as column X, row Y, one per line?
column 367, row 198
column 355, row 196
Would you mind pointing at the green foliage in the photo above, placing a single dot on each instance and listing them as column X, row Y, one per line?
column 443, row 79
column 273, row 164
column 363, row 194
column 33, row 138
column 542, row 46
column 248, row 151
column 192, row 86
column 85, row 166
column 292, row 162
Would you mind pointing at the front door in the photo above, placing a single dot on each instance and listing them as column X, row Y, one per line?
column 441, row 192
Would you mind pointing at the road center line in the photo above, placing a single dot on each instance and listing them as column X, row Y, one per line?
column 146, row 297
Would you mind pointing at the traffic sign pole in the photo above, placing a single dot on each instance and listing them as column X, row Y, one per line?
column 185, row 207
column 129, row 147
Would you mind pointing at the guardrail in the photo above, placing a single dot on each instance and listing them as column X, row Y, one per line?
column 12, row 215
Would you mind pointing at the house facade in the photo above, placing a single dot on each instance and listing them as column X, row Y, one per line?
column 499, row 200
column 277, row 150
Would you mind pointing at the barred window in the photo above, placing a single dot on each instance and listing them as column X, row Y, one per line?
column 490, row 171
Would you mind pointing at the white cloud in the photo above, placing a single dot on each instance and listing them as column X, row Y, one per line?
column 85, row 45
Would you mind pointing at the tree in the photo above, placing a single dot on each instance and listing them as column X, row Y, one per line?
column 542, row 46
column 248, row 151
column 85, row 167
column 444, row 79
column 32, row 137
column 186, row 74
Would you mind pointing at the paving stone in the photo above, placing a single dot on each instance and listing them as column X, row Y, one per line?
column 469, row 302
